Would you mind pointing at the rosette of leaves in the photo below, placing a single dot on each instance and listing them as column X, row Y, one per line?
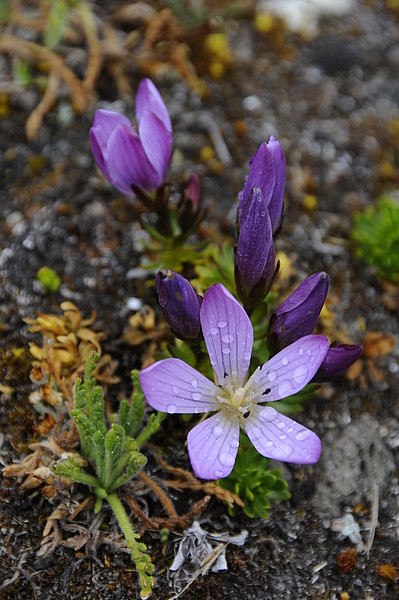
column 255, row 482
column 114, row 455
column 376, row 237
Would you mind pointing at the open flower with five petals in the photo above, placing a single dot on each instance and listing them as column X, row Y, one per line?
column 173, row 386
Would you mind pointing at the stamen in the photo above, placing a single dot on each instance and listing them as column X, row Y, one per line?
column 267, row 391
column 246, row 415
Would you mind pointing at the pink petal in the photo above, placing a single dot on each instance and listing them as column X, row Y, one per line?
column 149, row 98
column 212, row 446
column 277, row 436
column 173, row 386
column 289, row 370
column 157, row 143
column 128, row 163
column 105, row 121
column 228, row 335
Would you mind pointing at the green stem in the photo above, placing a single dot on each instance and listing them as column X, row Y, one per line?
column 137, row 549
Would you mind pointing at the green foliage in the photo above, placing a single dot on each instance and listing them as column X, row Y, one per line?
column 22, row 72
column 255, row 482
column 55, row 24
column 114, row 455
column 216, row 266
column 4, row 11
column 376, row 237
column 294, row 404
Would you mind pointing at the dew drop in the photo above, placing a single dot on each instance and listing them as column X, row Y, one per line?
column 281, row 425
column 226, row 350
column 303, row 435
column 228, row 338
column 269, row 415
column 290, row 429
column 256, row 432
column 272, row 375
column 284, row 388
column 217, row 431
column 175, row 389
column 227, row 459
column 300, row 351
column 234, row 443
column 300, row 374
column 247, row 355
column 218, row 473
column 282, row 437
column 171, row 409
column 197, row 396
column 194, row 383
column 221, row 324
column 269, row 444
column 284, row 361
column 213, row 330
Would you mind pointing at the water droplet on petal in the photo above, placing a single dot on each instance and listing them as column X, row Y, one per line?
column 300, row 351
column 234, row 443
column 268, row 415
column 247, row 355
column 281, row 425
column 213, row 330
column 221, row 324
column 272, row 375
column 269, row 444
column 303, row 435
column 290, row 429
column 175, row 389
column 227, row 459
column 228, row 338
column 256, row 432
column 196, row 396
column 226, row 350
column 284, row 361
column 218, row 473
column 282, row 437
column 194, row 383
column 284, row 388
column 217, row 431
column 300, row 374
column 171, row 409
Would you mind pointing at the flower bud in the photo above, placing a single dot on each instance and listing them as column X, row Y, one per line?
column 298, row 314
column 189, row 212
column 255, row 255
column 134, row 158
column 180, row 304
column 339, row 358
column 266, row 171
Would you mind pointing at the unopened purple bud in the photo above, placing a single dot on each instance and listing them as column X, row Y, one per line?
column 255, row 258
column 338, row 358
column 266, row 171
column 192, row 191
column 298, row 314
column 180, row 304
column 134, row 158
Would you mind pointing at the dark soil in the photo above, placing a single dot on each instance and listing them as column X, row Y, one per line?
column 332, row 100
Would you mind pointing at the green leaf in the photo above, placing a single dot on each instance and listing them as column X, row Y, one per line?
column 55, row 24
column 48, row 279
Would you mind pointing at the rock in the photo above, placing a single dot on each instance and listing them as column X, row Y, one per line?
column 353, row 459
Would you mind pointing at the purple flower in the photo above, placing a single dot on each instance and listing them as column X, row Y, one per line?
column 267, row 172
column 180, row 304
column 255, row 258
column 127, row 157
column 173, row 386
column 339, row 358
column 298, row 314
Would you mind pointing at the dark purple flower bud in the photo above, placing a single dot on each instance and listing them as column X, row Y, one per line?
column 266, row 171
column 134, row 158
column 339, row 358
column 298, row 314
column 180, row 304
column 255, row 258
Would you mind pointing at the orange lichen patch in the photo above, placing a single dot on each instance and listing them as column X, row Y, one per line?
column 346, row 560
column 388, row 573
